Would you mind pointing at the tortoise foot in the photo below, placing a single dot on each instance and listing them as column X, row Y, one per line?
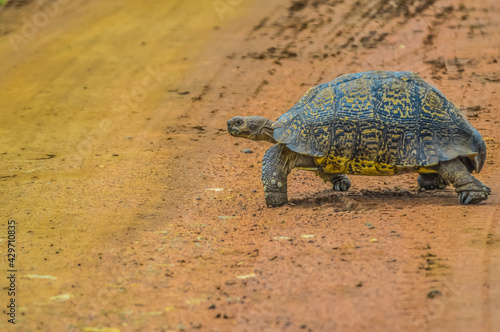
column 341, row 183
column 275, row 199
column 431, row 182
column 474, row 196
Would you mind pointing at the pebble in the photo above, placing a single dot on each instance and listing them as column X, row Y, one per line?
column 226, row 217
column 247, row 151
column 62, row 298
column 433, row 293
column 33, row 276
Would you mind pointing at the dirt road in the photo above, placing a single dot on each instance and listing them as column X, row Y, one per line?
column 135, row 211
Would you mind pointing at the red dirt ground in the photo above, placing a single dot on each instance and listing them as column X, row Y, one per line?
column 136, row 211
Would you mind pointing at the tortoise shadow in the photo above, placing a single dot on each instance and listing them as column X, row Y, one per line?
column 367, row 200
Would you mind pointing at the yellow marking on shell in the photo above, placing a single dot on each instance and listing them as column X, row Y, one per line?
column 433, row 106
column 425, row 169
column 396, row 99
column 347, row 166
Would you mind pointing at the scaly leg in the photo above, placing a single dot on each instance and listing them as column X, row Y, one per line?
column 430, row 181
column 470, row 190
column 278, row 162
column 340, row 182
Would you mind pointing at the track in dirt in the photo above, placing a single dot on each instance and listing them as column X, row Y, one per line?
column 148, row 216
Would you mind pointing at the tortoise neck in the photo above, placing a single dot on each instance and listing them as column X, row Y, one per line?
column 266, row 132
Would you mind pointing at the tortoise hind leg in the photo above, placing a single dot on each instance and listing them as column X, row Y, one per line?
column 340, row 182
column 431, row 181
column 470, row 190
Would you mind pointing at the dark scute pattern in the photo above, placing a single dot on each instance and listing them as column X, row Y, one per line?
column 394, row 118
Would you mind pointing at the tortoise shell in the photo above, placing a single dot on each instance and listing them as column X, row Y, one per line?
column 378, row 123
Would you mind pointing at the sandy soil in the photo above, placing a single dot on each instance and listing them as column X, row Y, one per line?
column 136, row 211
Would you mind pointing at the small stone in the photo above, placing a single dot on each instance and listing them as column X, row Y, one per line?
column 62, row 298
column 433, row 293
column 247, row 151
column 33, row 276
column 226, row 217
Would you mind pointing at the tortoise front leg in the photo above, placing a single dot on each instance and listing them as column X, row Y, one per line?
column 431, row 181
column 470, row 190
column 277, row 164
column 340, row 182
column 274, row 175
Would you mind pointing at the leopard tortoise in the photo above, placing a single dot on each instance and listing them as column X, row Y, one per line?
column 370, row 123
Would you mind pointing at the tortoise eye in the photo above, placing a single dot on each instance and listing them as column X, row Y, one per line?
column 238, row 122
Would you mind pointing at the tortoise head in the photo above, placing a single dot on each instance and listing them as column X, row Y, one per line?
column 256, row 128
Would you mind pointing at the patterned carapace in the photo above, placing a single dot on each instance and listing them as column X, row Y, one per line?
column 377, row 123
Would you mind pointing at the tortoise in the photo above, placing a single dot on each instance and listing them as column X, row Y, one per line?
column 370, row 123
